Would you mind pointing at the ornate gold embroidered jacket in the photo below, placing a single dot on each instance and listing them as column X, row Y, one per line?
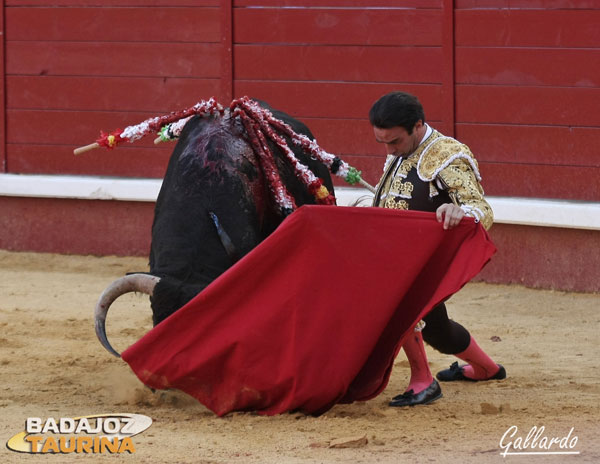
column 441, row 170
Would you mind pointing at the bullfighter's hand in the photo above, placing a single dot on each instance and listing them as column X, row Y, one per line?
column 450, row 214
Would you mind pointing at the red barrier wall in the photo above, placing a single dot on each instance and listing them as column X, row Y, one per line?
column 544, row 257
column 74, row 68
column 327, row 65
column 96, row 227
column 517, row 80
column 528, row 93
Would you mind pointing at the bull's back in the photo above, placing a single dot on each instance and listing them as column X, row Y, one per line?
column 212, row 169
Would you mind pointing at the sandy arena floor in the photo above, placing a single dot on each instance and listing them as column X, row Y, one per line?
column 51, row 365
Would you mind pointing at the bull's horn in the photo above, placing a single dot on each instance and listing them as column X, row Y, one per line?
column 143, row 283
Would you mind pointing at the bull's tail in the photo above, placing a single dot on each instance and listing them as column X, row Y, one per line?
column 225, row 239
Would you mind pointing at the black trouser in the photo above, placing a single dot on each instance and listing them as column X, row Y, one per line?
column 444, row 334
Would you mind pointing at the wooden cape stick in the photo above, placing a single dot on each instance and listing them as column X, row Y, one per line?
column 80, row 150
column 366, row 185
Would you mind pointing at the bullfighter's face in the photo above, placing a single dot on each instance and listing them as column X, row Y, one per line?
column 398, row 141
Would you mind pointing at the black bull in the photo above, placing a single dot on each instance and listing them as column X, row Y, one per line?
column 214, row 206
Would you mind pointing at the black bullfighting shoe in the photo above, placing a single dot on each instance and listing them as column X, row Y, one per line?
column 429, row 395
column 455, row 372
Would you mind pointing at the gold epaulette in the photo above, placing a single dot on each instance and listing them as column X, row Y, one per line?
column 442, row 152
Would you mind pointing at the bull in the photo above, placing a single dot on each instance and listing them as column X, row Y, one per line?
column 214, row 206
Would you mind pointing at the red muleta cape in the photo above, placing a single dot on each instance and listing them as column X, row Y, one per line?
column 315, row 314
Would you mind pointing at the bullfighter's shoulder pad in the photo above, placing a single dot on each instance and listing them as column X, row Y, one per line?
column 442, row 152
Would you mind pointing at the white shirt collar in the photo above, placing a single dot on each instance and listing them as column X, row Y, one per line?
column 427, row 133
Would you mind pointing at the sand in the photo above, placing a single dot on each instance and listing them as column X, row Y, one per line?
column 52, row 365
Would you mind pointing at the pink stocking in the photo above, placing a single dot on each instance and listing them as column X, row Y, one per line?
column 420, row 375
column 480, row 366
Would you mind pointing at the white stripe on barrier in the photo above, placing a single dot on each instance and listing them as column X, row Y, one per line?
column 507, row 210
column 79, row 187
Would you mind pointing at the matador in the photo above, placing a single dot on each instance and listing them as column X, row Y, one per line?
column 427, row 171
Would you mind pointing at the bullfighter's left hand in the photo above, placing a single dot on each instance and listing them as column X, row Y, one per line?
column 450, row 214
